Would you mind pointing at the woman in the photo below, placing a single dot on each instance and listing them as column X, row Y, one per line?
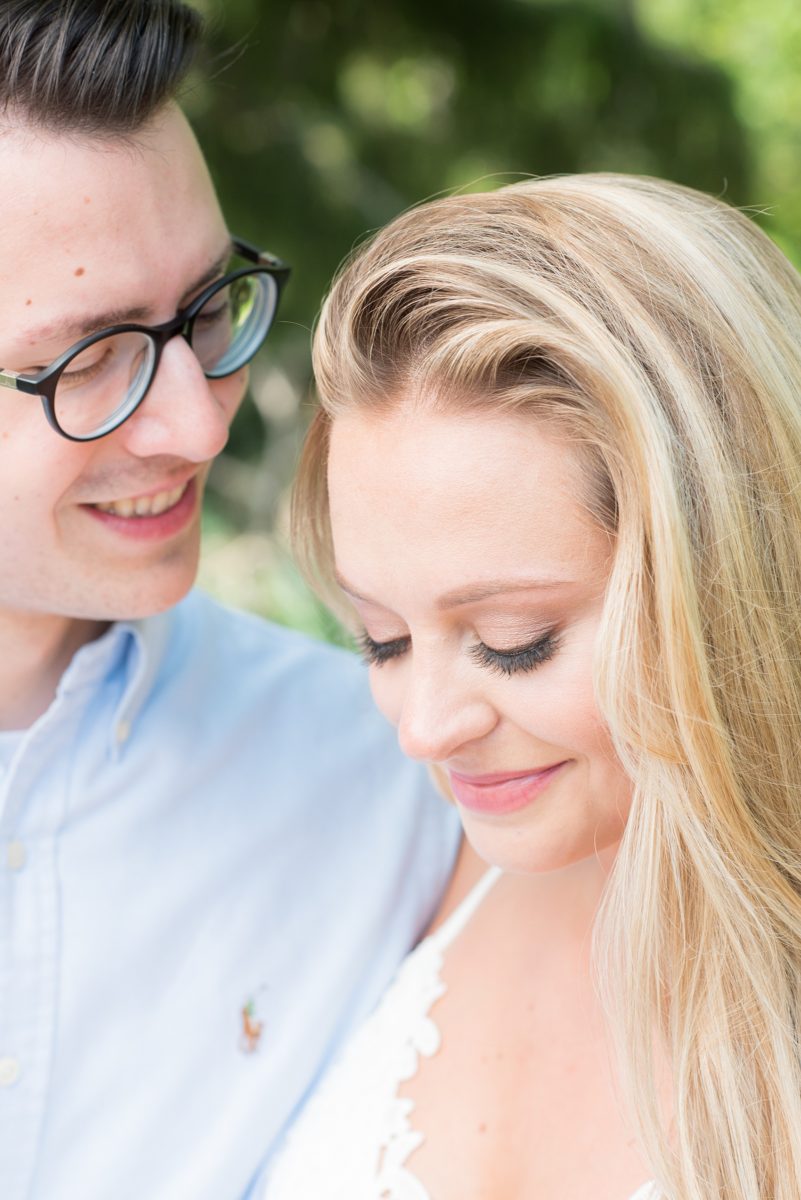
column 560, row 426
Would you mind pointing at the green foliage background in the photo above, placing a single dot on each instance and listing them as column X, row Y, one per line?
column 322, row 119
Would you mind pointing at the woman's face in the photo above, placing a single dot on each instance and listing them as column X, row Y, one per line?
column 479, row 580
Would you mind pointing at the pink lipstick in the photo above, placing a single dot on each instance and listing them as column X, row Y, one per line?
column 495, row 795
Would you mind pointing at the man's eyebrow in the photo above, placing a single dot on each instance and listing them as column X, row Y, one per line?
column 74, row 328
column 472, row 593
column 209, row 275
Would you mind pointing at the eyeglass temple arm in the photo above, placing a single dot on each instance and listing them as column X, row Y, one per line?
column 10, row 379
column 262, row 257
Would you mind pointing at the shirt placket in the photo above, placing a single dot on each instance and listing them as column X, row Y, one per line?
column 34, row 796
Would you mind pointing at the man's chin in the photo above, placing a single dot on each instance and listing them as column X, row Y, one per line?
column 148, row 601
column 142, row 593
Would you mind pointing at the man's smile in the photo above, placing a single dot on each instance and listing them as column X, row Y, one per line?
column 144, row 506
column 150, row 518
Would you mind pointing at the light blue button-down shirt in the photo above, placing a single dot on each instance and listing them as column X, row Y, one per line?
column 212, row 858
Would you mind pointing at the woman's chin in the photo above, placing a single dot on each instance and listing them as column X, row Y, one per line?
column 521, row 851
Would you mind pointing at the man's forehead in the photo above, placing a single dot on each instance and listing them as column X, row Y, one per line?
column 64, row 194
column 74, row 326
column 98, row 233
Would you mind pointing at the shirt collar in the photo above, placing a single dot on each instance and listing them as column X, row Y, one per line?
column 148, row 640
column 136, row 648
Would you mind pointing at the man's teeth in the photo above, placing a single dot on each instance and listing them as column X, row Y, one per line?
column 144, row 506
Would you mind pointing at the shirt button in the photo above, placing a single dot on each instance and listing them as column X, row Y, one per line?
column 15, row 856
column 123, row 731
column 9, row 1072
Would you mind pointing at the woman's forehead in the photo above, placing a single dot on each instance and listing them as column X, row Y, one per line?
column 485, row 496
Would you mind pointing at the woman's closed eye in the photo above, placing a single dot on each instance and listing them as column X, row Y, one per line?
column 375, row 654
column 517, row 659
column 506, row 662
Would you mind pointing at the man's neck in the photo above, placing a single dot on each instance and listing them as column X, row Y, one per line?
column 35, row 651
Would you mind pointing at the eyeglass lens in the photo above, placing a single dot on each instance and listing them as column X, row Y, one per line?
column 105, row 382
column 231, row 325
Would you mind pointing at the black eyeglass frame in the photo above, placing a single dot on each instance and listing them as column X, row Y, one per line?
column 45, row 382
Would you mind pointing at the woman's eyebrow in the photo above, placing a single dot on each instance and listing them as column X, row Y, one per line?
column 472, row 593
column 486, row 588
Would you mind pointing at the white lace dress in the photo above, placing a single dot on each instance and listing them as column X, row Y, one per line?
column 353, row 1138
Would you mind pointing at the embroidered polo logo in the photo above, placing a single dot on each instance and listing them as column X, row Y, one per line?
column 251, row 1028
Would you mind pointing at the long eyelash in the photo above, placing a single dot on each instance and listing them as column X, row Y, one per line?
column 375, row 654
column 523, row 658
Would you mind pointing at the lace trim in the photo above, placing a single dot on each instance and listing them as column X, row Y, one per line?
column 423, row 1039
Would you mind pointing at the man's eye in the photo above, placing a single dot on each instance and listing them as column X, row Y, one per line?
column 210, row 316
column 375, row 654
column 81, row 371
column 521, row 658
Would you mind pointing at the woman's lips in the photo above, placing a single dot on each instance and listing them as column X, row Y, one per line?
column 501, row 793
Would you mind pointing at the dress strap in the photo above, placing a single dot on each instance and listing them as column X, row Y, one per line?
column 455, row 923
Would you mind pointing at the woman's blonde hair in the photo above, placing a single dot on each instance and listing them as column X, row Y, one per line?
column 661, row 330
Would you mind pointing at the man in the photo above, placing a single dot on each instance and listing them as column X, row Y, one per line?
column 211, row 855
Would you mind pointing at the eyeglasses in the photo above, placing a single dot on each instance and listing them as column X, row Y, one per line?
column 99, row 382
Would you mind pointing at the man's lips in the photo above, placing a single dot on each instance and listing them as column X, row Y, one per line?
column 502, row 792
column 151, row 526
column 142, row 493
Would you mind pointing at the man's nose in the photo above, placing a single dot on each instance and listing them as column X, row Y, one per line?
column 441, row 712
column 184, row 414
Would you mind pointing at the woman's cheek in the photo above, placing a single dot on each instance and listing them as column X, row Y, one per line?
column 387, row 691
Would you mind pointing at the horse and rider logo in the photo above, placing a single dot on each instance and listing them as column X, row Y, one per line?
column 251, row 1027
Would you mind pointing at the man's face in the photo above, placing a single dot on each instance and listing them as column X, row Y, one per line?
column 94, row 233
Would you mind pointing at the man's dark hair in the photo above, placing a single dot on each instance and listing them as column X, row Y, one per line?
column 97, row 67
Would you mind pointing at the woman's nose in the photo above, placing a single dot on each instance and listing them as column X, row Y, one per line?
column 441, row 712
